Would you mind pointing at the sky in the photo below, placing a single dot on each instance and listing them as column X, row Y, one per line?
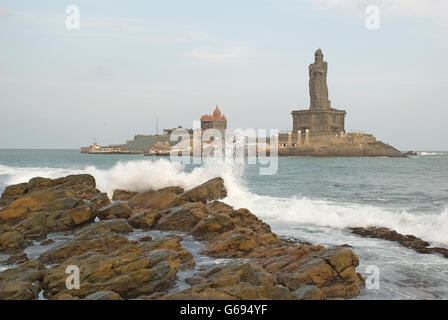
column 132, row 62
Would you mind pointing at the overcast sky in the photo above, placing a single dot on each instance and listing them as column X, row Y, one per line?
column 133, row 61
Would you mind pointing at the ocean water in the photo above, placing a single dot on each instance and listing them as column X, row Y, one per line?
column 312, row 199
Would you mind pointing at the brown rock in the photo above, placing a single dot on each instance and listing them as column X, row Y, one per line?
column 217, row 207
column 145, row 219
column 123, row 195
column 127, row 271
column 120, row 226
column 332, row 271
column 33, row 227
column 22, row 282
column 172, row 243
column 115, row 210
column 213, row 189
column 173, row 189
column 17, row 259
column 82, row 186
column 100, row 200
column 182, row 218
column 211, row 227
column 69, row 219
column 11, row 241
column 153, row 200
column 94, row 241
column 20, row 209
column 242, row 282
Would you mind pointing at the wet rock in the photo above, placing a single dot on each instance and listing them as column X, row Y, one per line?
column 103, row 295
column 22, row 207
column 120, row 226
column 172, row 243
column 153, row 200
column 310, row 293
column 217, row 207
column 182, row 218
column 22, row 282
column 213, row 226
column 102, row 242
column 127, row 271
column 332, row 270
column 102, row 237
column 115, row 210
column 213, row 189
column 100, row 200
column 244, row 281
column 408, row 241
column 145, row 239
column 34, row 227
column 65, row 220
column 81, row 186
column 145, row 219
column 17, row 259
column 62, row 204
column 123, row 195
column 11, row 241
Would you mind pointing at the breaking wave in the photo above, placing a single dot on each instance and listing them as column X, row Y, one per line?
column 143, row 175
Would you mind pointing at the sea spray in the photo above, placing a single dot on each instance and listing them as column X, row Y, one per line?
column 141, row 175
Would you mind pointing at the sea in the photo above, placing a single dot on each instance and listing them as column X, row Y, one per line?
column 308, row 199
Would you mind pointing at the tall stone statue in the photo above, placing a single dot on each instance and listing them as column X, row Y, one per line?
column 318, row 83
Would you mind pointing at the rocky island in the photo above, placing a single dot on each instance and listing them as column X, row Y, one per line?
column 320, row 130
column 158, row 244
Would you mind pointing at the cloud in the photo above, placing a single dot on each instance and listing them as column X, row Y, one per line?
column 214, row 53
column 5, row 14
column 434, row 10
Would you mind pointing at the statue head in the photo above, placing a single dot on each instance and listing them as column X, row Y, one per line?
column 318, row 56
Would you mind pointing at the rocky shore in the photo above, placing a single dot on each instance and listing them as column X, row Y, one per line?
column 159, row 244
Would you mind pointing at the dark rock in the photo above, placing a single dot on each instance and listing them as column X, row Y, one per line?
column 46, row 242
column 17, row 259
column 408, row 241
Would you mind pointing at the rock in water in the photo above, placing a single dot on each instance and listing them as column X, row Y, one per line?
column 213, row 189
column 23, row 282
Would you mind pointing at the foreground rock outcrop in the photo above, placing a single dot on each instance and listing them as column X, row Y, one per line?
column 115, row 264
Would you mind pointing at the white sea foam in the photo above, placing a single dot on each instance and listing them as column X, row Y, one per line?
column 147, row 174
column 429, row 153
